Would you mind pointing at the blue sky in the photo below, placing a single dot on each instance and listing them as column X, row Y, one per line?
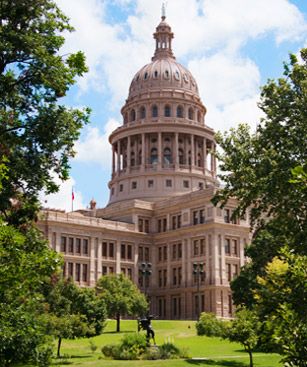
column 231, row 47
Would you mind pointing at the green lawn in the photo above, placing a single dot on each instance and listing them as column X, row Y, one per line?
column 203, row 351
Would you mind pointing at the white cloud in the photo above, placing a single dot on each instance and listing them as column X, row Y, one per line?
column 63, row 198
column 95, row 147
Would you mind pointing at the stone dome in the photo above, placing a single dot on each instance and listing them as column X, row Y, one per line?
column 164, row 72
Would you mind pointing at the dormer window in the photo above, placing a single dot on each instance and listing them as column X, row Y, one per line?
column 166, row 74
column 146, row 75
column 177, row 76
column 156, row 74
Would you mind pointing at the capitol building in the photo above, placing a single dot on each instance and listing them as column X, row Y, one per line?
column 159, row 228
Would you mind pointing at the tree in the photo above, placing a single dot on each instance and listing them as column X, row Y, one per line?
column 281, row 303
column 121, row 296
column 36, row 133
column 209, row 325
column 266, row 172
column 73, row 312
column 244, row 329
column 26, row 264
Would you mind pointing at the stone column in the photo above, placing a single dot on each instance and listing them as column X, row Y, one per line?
column 117, row 270
column 176, row 155
column 92, row 279
column 192, row 152
column 128, row 154
column 113, row 159
column 99, row 268
column 143, row 153
column 160, row 158
column 118, row 156
column 136, row 260
column 205, row 154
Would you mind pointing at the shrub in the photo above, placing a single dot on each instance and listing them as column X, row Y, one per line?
column 170, row 351
column 209, row 325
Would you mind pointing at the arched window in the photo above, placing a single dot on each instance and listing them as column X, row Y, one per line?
column 167, row 156
column 167, row 111
column 198, row 116
column 181, row 156
column 199, row 160
column 143, row 112
column 191, row 113
column 154, row 111
column 126, row 118
column 154, row 156
column 179, row 111
column 132, row 115
column 156, row 74
column 190, row 158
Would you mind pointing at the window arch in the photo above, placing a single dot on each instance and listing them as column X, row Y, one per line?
column 180, row 111
column 143, row 112
column 154, row 111
column 153, row 156
column 198, row 116
column 167, row 156
column 132, row 115
column 191, row 113
column 167, row 110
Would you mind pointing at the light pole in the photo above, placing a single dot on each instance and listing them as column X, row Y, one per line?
column 145, row 271
column 198, row 270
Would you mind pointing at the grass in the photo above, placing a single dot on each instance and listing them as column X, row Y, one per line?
column 204, row 351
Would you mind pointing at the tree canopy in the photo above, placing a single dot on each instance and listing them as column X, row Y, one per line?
column 37, row 133
column 122, row 297
column 266, row 172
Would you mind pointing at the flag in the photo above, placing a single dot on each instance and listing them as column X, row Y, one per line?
column 72, row 195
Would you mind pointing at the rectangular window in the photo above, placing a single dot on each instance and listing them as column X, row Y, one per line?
column 186, row 184
column 179, row 276
column 174, row 276
column 227, row 246
column 104, row 270
column 178, row 221
column 168, row 183
column 195, row 248
column 164, row 225
column 84, row 272
column 202, row 216
column 140, row 225
column 78, row 272
column 165, row 253
column 104, row 249
column 200, row 185
column 70, row 270
column 129, row 252
column 202, row 246
column 160, row 254
column 160, row 281
column 123, row 251
column 111, row 269
column 78, row 245
column 111, row 250
column 71, row 245
column 174, row 252
column 228, row 272
column 234, row 249
column 141, row 255
column 146, row 225
column 146, row 254
column 226, row 215
column 174, row 222
column 150, row 183
column 179, row 250
column 63, row 244
column 85, row 247
column 159, row 225
column 121, row 187
column 195, row 217
column 164, row 277
column 129, row 273
column 134, row 185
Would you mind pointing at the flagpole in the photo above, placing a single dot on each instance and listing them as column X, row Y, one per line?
column 72, row 198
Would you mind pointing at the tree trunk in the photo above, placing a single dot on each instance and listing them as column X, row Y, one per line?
column 59, row 347
column 117, row 322
column 250, row 357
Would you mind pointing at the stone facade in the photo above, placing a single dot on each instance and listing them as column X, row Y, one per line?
column 159, row 212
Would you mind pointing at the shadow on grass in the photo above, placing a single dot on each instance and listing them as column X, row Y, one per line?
column 212, row 362
column 120, row 332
